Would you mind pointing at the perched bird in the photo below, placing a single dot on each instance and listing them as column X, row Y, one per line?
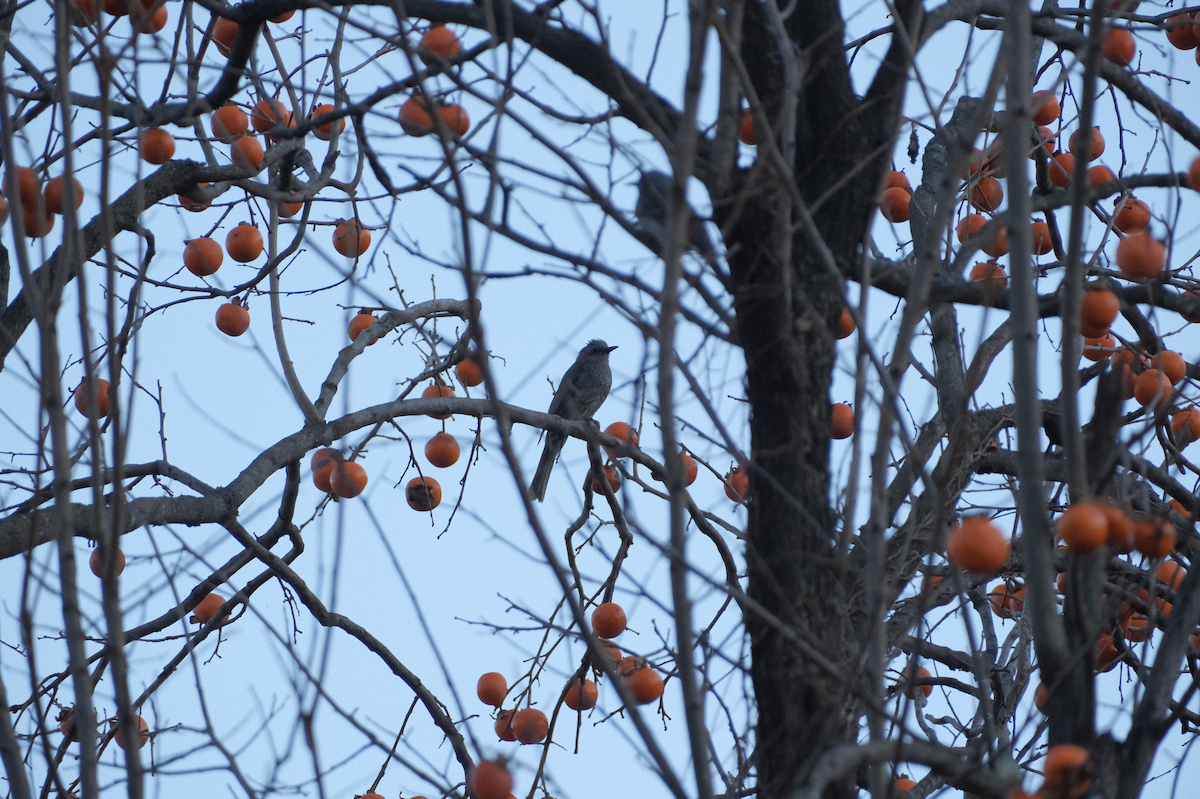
column 654, row 193
column 580, row 394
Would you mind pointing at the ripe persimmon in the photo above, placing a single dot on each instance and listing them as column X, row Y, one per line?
column 203, row 256
column 987, row 195
column 737, row 484
column 156, row 146
column 29, row 185
column 622, row 431
column 1107, row 655
column 56, row 187
column 85, row 12
column 977, row 546
column 1098, row 348
column 1154, row 538
column 270, row 114
column 842, row 420
column 491, row 688
column 1042, row 243
column 988, row 273
column 1185, row 425
column 438, row 41
column 1098, row 309
column 351, row 238
column 1045, row 107
column 233, row 319
column 244, row 243
column 229, row 123
column 898, row 180
column 969, row 225
column 143, row 734
column 895, row 204
column 144, row 20
column 846, row 324
column 423, row 493
column 530, row 725
column 348, row 479
column 1120, row 528
column 1060, row 168
column 644, row 683
column 224, row 33
column 608, row 620
column 612, row 477
column 103, row 400
column 1131, row 215
column 1140, row 256
column 746, row 132
column 442, row 450
column 1180, row 32
column 917, row 682
column 1153, row 389
column 1118, row 47
column 1099, row 175
column 95, row 564
column 246, row 153
column 489, row 779
column 208, row 607
column 1075, row 144
column 287, row 210
column 468, row 372
column 903, row 784
column 1172, row 365
column 1006, row 600
column 503, row 726
column 195, row 206
column 1040, row 696
column 456, row 119
column 324, row 131
column 1083, row 527
column 359, row 323
column 1068, row 771
column 1044, row 137
column 581, row 694
column 437, row 390
column 415, row 119
column 323, row 462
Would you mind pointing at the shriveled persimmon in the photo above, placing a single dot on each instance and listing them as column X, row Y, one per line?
column 977, row 546
column 491, row 688
column 423, row 493
column 746, row 132
column 608, row 620
column 442, row 450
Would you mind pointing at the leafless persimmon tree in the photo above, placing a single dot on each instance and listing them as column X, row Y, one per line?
column 842, row 556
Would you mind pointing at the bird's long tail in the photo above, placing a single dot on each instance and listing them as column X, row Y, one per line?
column 541, row 478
